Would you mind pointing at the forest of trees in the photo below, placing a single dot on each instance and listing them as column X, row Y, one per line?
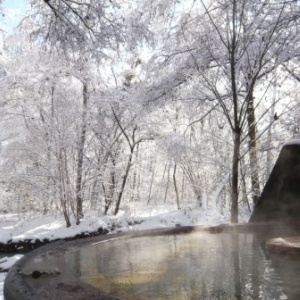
column 111, row 104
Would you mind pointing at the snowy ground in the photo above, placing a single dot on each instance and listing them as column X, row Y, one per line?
column 17, row 228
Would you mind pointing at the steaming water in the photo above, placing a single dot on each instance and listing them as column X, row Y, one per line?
column 188, row 266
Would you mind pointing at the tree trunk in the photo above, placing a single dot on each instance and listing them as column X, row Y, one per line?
column 62, row 190
column 235, row 176
column 270, row 134
column 135, row 184
column 78, row 189
column 236, row 121
column 252, row 148
column 175, row 187
column 244, row 186
column 95, row 185
column 168, row 181
column 111, row 189
column 151, row 183
column 124, row 181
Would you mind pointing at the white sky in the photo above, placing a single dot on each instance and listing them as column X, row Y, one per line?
column 13, row 11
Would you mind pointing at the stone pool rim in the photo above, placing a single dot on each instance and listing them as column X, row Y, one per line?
column 289, row 246
column 16, row 288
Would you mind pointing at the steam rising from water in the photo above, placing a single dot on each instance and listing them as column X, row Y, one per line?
column 190, row 266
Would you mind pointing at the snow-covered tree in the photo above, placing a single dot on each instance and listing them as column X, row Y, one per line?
column 225, row 49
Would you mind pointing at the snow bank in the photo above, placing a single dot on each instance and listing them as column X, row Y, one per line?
column 51, row 228
column 47, row 228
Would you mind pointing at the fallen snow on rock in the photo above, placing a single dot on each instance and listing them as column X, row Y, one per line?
column 2, row 277
column 7, row 262
column 292, row 142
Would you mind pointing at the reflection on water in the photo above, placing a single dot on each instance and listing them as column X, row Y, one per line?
column 288, row 269
column 188, row 266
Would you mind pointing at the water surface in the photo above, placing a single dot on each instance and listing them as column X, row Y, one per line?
column 187, row 266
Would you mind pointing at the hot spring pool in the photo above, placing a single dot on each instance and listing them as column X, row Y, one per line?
column 191, row 266
column 196, row 265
